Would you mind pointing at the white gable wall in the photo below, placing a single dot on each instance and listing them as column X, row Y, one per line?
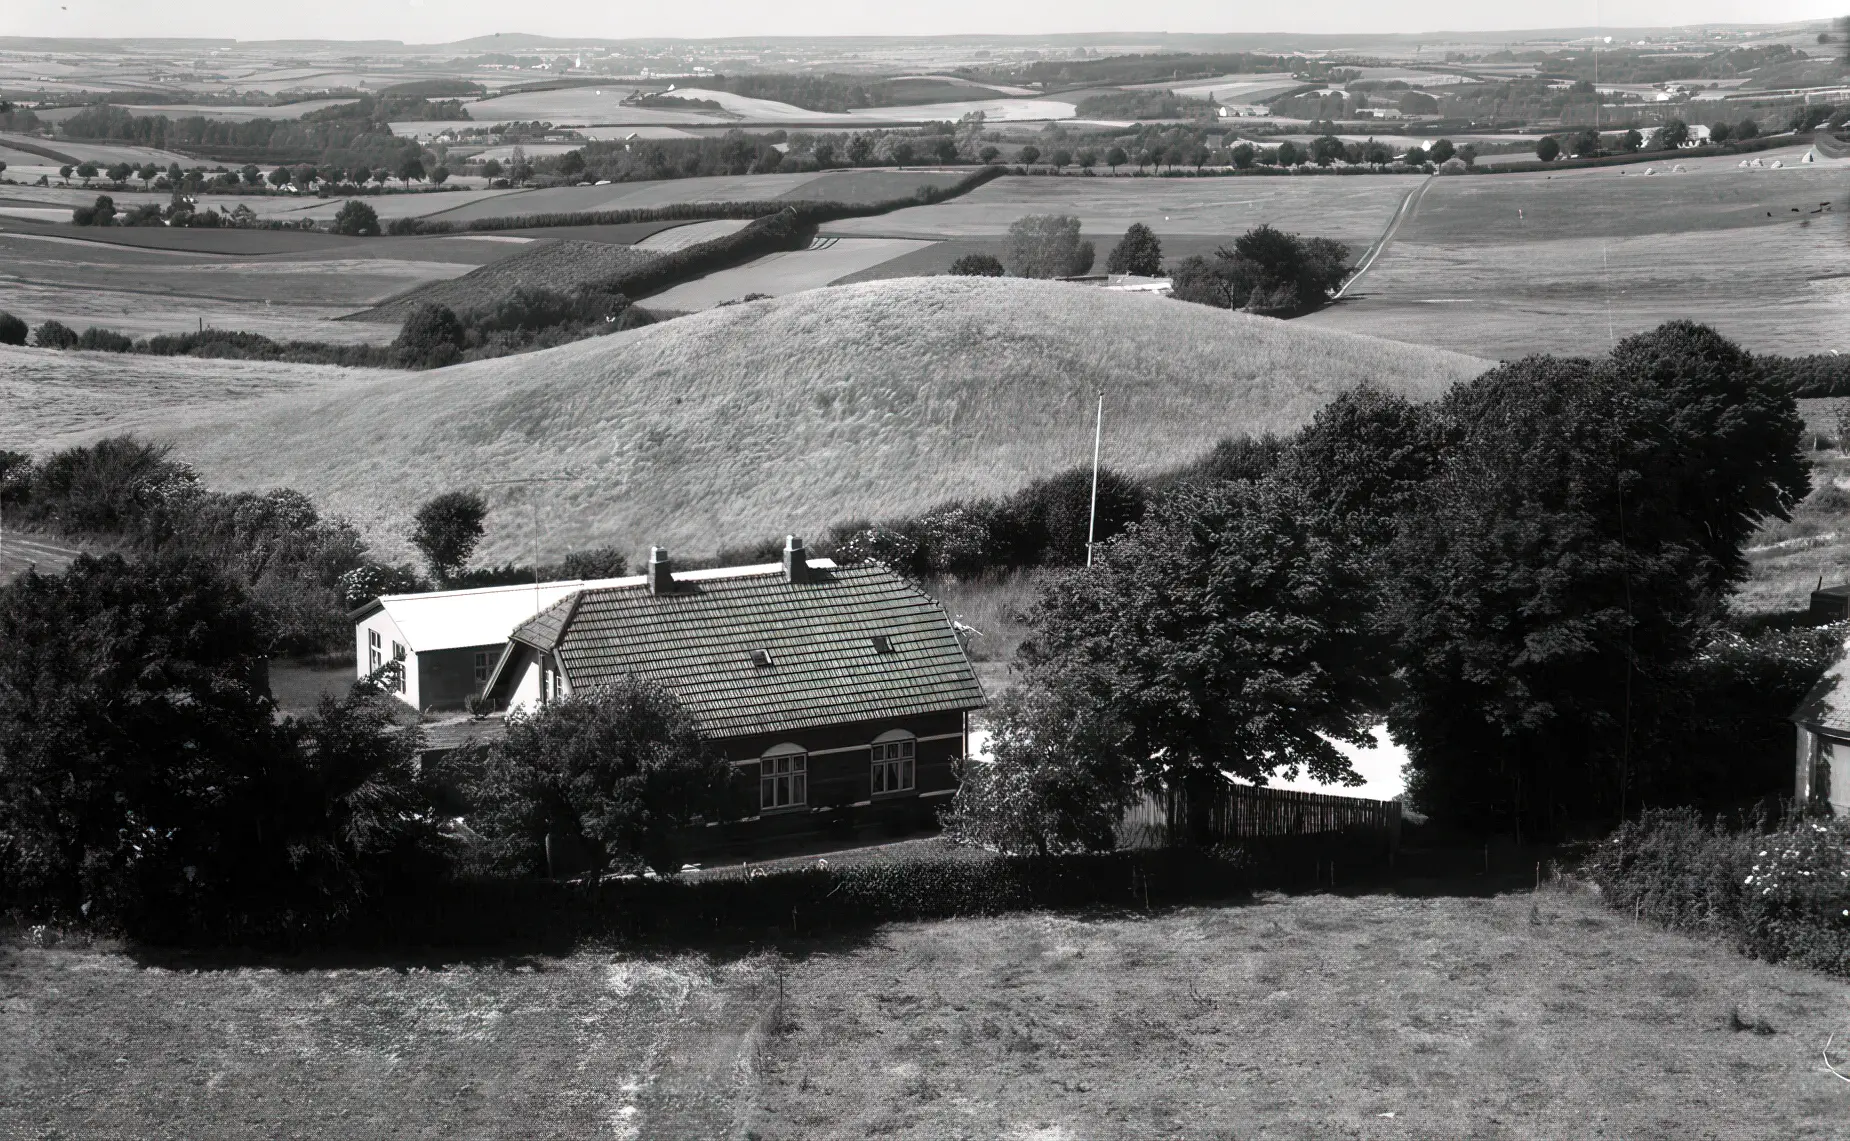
column 390, row 637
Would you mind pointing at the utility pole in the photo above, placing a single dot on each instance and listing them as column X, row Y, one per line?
column 533, row 507
column 1098, row 437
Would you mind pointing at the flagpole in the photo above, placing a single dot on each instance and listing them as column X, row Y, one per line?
column 1098, row 437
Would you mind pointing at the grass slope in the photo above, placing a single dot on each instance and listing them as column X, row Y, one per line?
column 789, row 415
column 1317, row 1016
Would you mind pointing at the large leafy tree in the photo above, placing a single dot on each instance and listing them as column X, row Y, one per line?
column 1046, row 245
column 1572, row 548
column 1227, row 633
column 601, row 780
column 1139, row 252
column 448, row 527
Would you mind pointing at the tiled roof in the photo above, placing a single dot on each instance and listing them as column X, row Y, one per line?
column 824, row 667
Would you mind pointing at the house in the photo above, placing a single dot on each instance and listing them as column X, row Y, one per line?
column 447, row 640
column 1823, row 720
column 839, row 694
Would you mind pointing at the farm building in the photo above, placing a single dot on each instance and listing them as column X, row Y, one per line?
column 1823, row 719
column 839, row 694
column 447, row 640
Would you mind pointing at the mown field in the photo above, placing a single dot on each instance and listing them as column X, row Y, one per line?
column 1506, row 265
column 785, row 272
column 556, row 265
column 1373, row 1016
column 752, row 420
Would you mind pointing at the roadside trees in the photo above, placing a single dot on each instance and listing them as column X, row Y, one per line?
column 1138, row 252
column 439, row 175
column 86, row 170
column 279, row 177
column 1115, row 158
column 412, row 168
column 1441, row 151
column 1060, row 159
column 1029, row 155
column 1289, row 154
column 1242, row 155
column 1587, row 144
column 1326, row 149
column 1087, row 159
column 1047, row 245
column 988, row 155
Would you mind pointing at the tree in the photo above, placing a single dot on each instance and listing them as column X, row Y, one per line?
column 1587, row 144
column 1138, row 252
column 1225, row 634
column 54, row 335
column 1547, row 149
column 1673, row 134
column 1414, row 156
column 1719, row 132
column 411, row 168
column 86, row 170
column 491, row 169
column 1326, row 149
column 572, row 163
column 102, row 213
column 606, row 780
column 1047, row 245
column 977, row 265
column 1029, row 155
column 120, row 172
column 1747, row 129
column 1060, row 159
column 1242, row 155
column 12, row 329
column 279, row 177
column 431, row 337
column 440, row 175
column 448, row 528
column 1441, row 151
column 945, row 149
column 1289, row 154
column 64, row 172
column 1087, row 159
column 988, row 155
column 357, row 219
column 1115, row 158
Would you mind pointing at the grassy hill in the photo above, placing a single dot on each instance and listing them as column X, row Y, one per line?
column 748, row 421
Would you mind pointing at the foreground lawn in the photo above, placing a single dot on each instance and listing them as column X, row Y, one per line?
column 1313, row 1017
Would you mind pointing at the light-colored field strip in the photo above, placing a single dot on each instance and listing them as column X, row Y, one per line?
column 681, row 237
column 629, row 196
column 785, row 272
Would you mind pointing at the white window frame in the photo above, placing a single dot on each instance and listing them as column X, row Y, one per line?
column 482, row 666
column 399, row 655
column 375, row 652
column 894, row 764
column 783, row 779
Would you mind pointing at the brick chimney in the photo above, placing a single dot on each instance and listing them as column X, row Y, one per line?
column 661, row 571
column 796, row 561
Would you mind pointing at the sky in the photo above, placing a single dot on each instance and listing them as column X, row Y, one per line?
column 440, row 21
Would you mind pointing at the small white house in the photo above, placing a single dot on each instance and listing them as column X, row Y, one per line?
column 449, row 640
column 1823, row 719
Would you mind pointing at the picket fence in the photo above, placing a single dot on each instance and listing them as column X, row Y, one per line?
column 1246, row 812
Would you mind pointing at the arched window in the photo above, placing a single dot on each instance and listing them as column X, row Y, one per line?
column 894, row 756
column 783, row 777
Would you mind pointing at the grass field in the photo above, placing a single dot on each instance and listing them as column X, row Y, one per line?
column 1789, row 559
column 549, row 265
column 691, row 234
column 753, row 420
column 787, row 271
column 1354, row 210
column 48, row 394
column 1316, row 1016
column 1594, row 254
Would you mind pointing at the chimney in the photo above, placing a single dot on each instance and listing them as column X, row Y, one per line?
column 661, row 571
column 796, row 561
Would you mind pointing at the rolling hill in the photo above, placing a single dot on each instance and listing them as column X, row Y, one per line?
column 744, row 422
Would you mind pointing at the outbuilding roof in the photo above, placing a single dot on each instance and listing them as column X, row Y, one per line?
column 482, row 616
column 750, row 652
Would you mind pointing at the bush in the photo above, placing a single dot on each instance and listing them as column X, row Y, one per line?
column 104, row 341
column 54, row 335
column 368, row 581
column 1047, row 245
column 430, row 338
column 1138, row 252
column 12, row 329
column 606, row 780
column 1781, row 895
column 1266, row 271
column 357, row 219
column 977, row 265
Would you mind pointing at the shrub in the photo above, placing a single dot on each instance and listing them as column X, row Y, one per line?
column 1138, row 252
column 12, row 329
column 368, row 581
column 54, row 335
column 1778, row 895
column 104, row 341
column 1047, row 245
column 1267, row 270
column 977, row 265
column 430, row 338
column 357, row 219
column 595, row 781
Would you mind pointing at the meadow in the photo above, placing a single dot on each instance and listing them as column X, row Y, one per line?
column 1533, row 1016
column 1353, row 210
column 555, row 265
column 784, row 272
column 603, row 106
column 1505, row 265
column 794, row 414
column 1792, row 558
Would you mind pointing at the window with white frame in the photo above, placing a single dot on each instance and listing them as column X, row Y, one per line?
column 398, row 658
column 375, row 652
column 894, row 755
column 481, row 667
column 783, row 780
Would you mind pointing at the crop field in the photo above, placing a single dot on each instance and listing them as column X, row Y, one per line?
column 690, row 234
column 1371, row 1017
column 543, row 265
column 797, row 413
column 49, row 395
column 1354, row 210
column 866, row 187
column 1505, row 265
column 787, row 271
column 603, row 106
column 99, row 151
column 629, row 195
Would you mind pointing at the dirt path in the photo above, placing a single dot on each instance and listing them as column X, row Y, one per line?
column 1408, row 205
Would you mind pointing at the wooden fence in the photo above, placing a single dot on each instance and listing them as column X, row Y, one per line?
column 1246, row 812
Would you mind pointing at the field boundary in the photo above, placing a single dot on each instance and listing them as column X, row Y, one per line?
column 1406, row 207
